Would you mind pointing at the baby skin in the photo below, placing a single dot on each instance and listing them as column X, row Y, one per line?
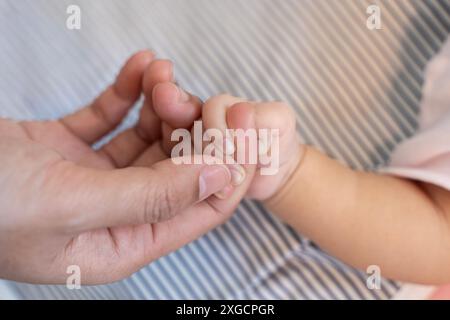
column 363, row 218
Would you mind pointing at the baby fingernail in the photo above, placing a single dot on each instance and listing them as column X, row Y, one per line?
column 213, row 179
column 229, row 147
column 225, row 193
column 237, row 174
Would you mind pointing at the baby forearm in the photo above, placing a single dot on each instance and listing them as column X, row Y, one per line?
column 367, row 219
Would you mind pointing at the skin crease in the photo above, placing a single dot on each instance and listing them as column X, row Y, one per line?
column 363, row 218
column 109, row 211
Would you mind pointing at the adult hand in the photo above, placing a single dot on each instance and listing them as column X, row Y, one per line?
column 109, row 211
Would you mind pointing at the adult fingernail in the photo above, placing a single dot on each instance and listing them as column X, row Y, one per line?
column 213, row 178
column 237, row 174
column 183, row 96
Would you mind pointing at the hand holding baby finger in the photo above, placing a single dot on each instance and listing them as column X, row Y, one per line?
column 176, row 108
column 273, row 144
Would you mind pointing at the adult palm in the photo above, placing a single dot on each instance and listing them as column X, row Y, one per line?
column 109, row 211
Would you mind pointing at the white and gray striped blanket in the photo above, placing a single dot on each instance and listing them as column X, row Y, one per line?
column 356, row 92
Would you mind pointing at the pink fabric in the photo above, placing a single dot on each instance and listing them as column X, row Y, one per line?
column 442, row 293
column 426, row 155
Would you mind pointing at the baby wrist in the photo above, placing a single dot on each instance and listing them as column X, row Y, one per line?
column 289, row 180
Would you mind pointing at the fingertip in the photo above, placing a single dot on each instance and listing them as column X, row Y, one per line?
column 128, row 83
column 164, row 95
column 139, row 62
column 241, row 115
column 164, row 100
column 159, row 71
column 173, row 105
column 143, row 57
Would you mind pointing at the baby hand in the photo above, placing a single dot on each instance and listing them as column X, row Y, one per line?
column 278, row 151
column 179, row 109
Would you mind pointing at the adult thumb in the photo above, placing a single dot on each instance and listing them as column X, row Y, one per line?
column 106, row 198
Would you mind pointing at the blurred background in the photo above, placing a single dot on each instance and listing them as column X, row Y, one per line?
column 356, row 92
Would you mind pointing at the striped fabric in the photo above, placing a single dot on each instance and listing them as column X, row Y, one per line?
column 356, row 93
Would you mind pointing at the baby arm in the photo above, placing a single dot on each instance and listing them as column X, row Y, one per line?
column 369, row 219
column 362, row 218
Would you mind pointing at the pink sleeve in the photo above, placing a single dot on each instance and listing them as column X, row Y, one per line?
column 426, row 155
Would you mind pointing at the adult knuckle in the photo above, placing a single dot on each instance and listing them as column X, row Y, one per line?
column 160, row 203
